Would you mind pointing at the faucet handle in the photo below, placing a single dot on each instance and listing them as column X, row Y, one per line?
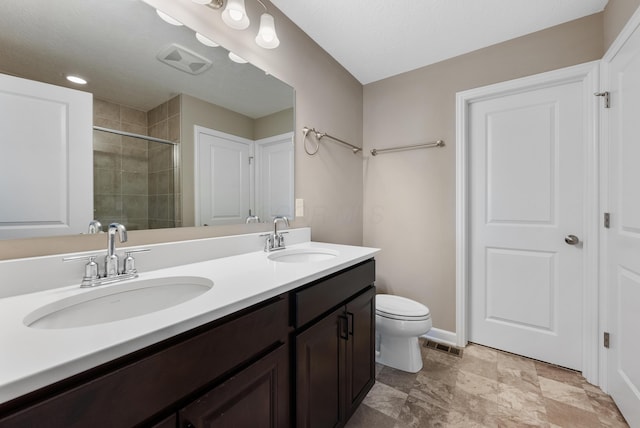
column 90, row 269
column 130, row 262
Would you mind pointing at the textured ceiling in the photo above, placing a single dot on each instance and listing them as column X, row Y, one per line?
column 375, row 39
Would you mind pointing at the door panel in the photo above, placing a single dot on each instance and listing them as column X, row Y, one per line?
column 223, row 179
column 274, row 189
column 48, row 128
column 527, row 193
column 530, row 305
column 623, row 238
column 521, row 172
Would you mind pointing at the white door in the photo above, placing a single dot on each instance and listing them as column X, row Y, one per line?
column 223, row 178
column 274, row 177
column 623, row 238
column 46, row 161
column 527, row 185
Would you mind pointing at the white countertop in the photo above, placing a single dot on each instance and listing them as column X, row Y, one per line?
column 31, row 358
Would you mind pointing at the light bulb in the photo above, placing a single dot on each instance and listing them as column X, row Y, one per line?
column 168, row 19
column 267, row 37
column 206, row 41
column 235, row 15
column 235, row 58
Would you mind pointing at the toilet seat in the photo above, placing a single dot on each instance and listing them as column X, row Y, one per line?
column 400, row 308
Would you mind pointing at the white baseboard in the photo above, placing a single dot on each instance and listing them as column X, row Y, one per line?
column 442, row 336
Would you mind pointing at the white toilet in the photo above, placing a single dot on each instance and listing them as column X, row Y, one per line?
column 399, row 322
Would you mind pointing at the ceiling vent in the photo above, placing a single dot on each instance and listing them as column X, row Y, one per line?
column 184, row 59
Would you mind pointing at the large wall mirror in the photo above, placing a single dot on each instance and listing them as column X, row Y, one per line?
column 182, row 135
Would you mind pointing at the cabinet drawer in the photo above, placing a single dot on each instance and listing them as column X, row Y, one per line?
column 133, row 393
column 327, row 293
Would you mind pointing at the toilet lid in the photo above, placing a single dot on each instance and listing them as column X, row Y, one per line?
column 394, row 306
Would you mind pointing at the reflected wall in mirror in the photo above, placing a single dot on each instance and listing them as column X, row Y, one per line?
column 152, row 79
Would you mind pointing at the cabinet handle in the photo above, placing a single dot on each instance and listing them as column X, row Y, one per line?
column 350, row 323
column 344, row 327
column 188, row 424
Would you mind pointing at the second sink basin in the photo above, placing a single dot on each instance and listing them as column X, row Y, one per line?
column 117, row 302
column 303, row 255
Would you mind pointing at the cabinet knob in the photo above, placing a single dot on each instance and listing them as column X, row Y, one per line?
column 188, row 424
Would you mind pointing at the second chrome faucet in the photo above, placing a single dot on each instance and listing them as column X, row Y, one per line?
column 275, row 240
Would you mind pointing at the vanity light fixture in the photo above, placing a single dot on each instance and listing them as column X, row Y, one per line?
column 76, row 79
column 168, row 19
column 235, row 58
column 235, row 15
column 206, row 41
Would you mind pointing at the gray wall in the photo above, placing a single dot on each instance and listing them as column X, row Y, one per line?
column 409, row 197
column 616, row 15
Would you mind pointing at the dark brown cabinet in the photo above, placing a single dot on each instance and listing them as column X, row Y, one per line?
column 256, row 397
column 335, row 365
column 233, row 372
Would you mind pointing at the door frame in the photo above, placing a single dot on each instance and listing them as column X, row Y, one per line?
column 614, row 49
column 587, row 73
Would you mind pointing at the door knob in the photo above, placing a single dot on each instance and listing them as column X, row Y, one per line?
column 572, row 239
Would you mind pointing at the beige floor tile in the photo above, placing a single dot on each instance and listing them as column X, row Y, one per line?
column 385, row 399
column 482, row 352
column 479, row 366
column 565, row 393
column 366, row 417
column 481, row 386
column 560, row 374
column 434, row 392
column 438, row 370
column 398, row 379
column 419, row 414
column 569, row 416
column 529, row 405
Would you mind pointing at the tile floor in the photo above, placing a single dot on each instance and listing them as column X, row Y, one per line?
column 484, row 388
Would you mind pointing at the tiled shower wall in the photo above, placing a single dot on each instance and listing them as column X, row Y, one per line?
column 134, row 178
column 164, row 188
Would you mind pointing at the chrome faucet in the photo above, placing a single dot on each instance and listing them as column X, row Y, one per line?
column 111, row 261
column 95, row 227
column 112, row 272
column 275, row 240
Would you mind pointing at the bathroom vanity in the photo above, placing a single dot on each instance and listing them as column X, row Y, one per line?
column 295, row 350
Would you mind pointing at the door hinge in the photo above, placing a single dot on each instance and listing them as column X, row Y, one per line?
column 250, row 159
column 606, row 339
column 607, row 98
column 607, row 220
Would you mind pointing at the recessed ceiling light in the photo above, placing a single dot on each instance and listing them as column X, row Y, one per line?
column 168, row 19
column 76, row 79
column 206, row 41
column 235, row 58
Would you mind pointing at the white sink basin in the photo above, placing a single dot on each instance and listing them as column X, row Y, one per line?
column 117, row 302
column 303, row 255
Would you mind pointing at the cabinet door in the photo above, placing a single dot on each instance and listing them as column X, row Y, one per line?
column 320, row 372
column 360, row 348
column 256, row 397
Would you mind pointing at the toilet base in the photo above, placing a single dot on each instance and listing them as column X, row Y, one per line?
column 398, row 352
